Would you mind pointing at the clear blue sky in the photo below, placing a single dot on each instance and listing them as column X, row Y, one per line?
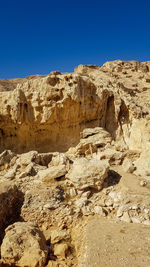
column 37, row 37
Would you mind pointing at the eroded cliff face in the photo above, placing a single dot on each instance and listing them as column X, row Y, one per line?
column 47, row 113
column 75, row 148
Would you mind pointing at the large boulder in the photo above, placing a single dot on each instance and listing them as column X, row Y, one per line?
column 24, row 245
column 88, row 173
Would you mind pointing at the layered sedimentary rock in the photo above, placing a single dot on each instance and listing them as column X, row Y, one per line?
column 47, row 113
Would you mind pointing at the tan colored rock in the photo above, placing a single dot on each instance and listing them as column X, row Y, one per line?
column 92, row 140
column 52, row 173
column 60, row 250
column 26, row 158
column 10, row 175
column 126, row 217
column 112, row 155
column 128, row 165
column 5, row 157
column 48, row 113
column 88, row 173
column 24, row 245
column 143, row 164
column 52, row 264
column 58, row 159
column 57, row 235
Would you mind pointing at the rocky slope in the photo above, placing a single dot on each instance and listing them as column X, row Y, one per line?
column 74, row 147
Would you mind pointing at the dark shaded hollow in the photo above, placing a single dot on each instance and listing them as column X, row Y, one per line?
column 112, row 178
column 12, row 211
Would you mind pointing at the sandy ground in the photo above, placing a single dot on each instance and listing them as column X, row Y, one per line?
column 115, row 244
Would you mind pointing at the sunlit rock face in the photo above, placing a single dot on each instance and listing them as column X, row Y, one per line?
column 47, row 113
column 74, row 148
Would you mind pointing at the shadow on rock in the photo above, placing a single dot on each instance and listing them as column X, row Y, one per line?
column 11, row 201
column 113, row 178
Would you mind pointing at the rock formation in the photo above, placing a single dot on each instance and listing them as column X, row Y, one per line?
column 75, row 153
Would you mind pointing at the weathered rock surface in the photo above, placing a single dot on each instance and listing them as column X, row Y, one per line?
column 88, row 173
column 91, row 141
column 52, row 173
column 143, row 164
column 24, row 245
column 74, row 147
column 47, row 113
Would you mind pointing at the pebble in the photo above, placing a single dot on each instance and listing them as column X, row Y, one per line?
column 126, row 217
column 143, row 183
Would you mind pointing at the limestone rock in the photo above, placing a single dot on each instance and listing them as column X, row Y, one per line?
column 128, row 166
column 57, row 235
column 88, row 173
column 126, row 217
column 143, row 164
column 48, row 113
column 91, row 141
column 6, row 156
column 24, row 245
column 58, row 159
column 112, row 155
column 10, row 175
column 26, row 158
column 52, row 173
column 60, row 250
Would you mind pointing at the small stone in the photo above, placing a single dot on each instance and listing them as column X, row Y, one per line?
column 146, row 222
column 119, row 212
column 81, row 202
column 134, row 207
column 86, row 211
column 146, row 211
column 86, row 194
column 60, row 250
column 10, row 175
column 143, row 183
column 99, row 210
column 135, row 220
column 72, row 192
column 126, row 217
column 109, row 203
column 52, row 205
column 57, row 235
column 128, row 166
